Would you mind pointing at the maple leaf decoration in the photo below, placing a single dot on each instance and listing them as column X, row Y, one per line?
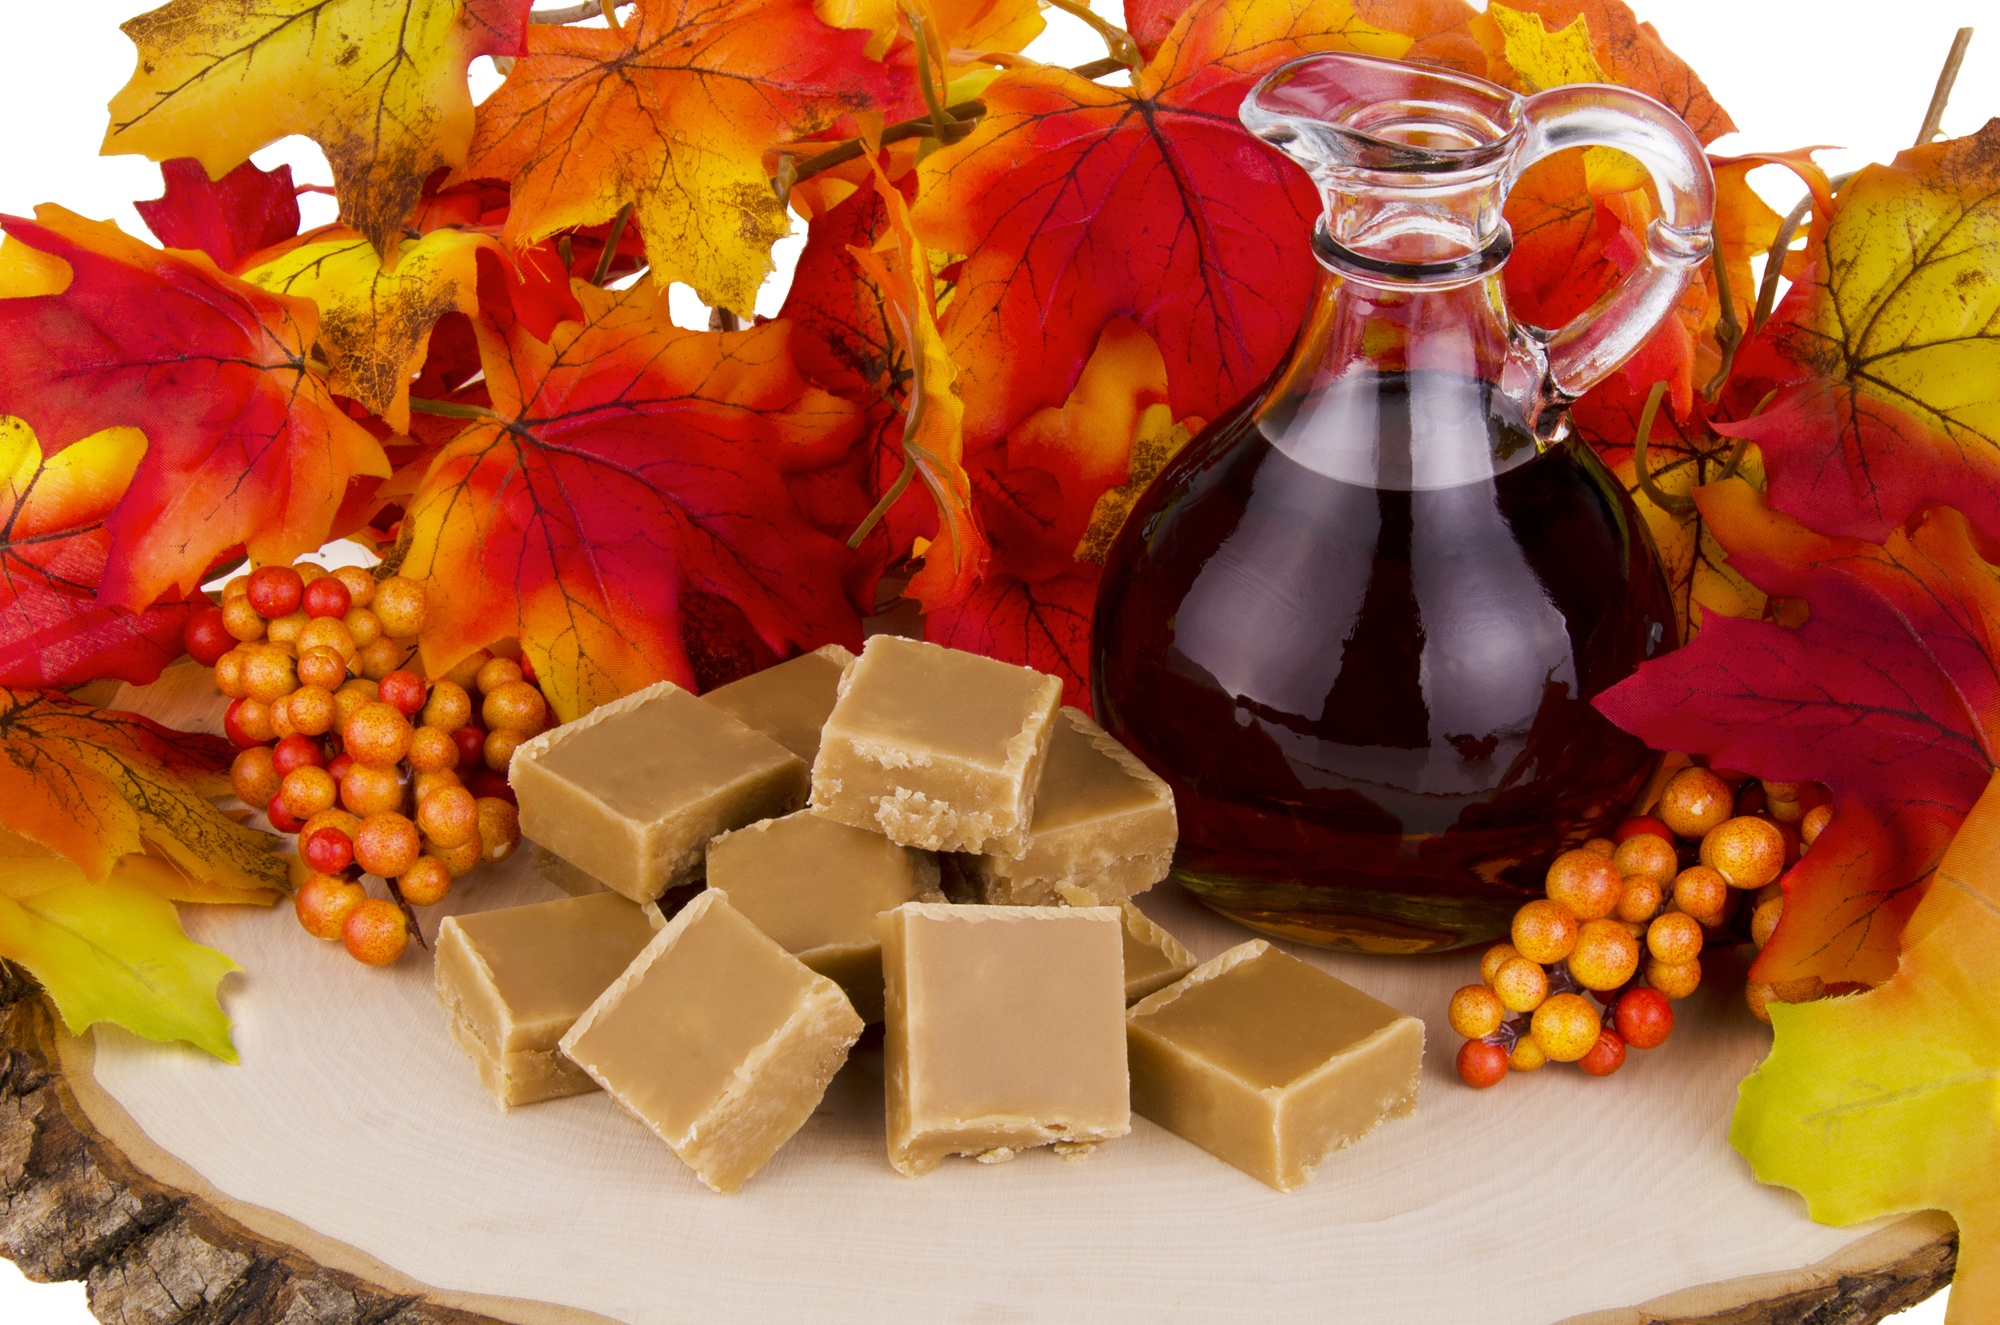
column 229, row 218
column 1882, row 1103
column 1889, row 694
column 380, row 85
column 627, row 465
column 672, row 113
column 54, row 631
column 244, row 446
column 95, row 785
column 1074, row 204
column 1888, row 350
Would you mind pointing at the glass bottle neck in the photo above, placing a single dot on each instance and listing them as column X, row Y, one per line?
column 1411, row 385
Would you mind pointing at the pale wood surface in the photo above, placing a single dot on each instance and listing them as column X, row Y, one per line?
column 354, row 1143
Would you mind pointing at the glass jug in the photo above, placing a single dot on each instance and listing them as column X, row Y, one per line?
column 1357, row 624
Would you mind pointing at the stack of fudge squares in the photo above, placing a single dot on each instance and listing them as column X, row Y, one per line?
column 824, row 808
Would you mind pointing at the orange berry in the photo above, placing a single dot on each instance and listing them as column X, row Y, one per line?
column 324, row 902
column 334, row 818
column 1494, row 958
column 1675, row 981
column 449, row 816
column 425, row 883
column 500, row 747
column 360, row 585
column 241, row 620
column 1649, row 856
column 253, row 776
column 281, row 718
column 401, row 605
column 1702, row 893
column 1476, row 1012
column 285, row 629
column 363, row 625
column 381, row 657
column 448, row 708
column 1747, row 851
column 1674, row 938
column 377, row 734
column 1758, row 995
column 499, row 827
column 308, row 571
column 1565, row 1027
column 306, row 791
column 322, row 667
column 375, row 932
column 465, row 672
column 460, row 860
column 1764, row 920
column 253, row 720
column 269, row 675
column 229, row 672
column 1606, row 955
column 1586, row 883
column 515, row 707
column 425, row 784
column 236, row 587
column 1641, row 900
column 1805, row 989
column 328, row 633
column 370, row 790
column 1521, row 984
column 432, row 751
column 312, row 710
column 1810, row 827
column 386, row 844
column 1527, row 1055
column 1602, row 846
column 1544, row 932
column 496, row 672
column 1694, row 801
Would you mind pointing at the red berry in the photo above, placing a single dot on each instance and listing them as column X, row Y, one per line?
column 527, row 669
column 471, row 746
column 296, row 751
column 485, row 782
column 328, row 850
column 405, row 692
column 1644, row 1018
column 327, row 596
column 275, row 591
column 232, row 725
column 1605, row 1057
column 1481, row 1064
column 1642, row 823
column 280, row 819
column 206, row 638
column 339, row 766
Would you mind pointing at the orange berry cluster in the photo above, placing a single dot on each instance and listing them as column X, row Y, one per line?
column 1625, row 921
column 378, row 771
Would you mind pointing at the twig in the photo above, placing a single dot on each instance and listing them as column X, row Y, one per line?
column 572, row 13
column 961, row 112
column 611, row 244
column 409, row 916
column 1941, row 95
column 1659, row 496
column 1097, row 69
column 452, row 409
column 721, row 319
column 1116, row 39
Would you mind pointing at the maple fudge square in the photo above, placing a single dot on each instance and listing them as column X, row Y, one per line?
column 631, row 793
column 1270, row 1063
column 513, row 982
column 789, row 702
column 718, row 1040
column 1154, row 958
column 935, row 748
column 1005, row 1030
column 1103, row 822
column 817, row 886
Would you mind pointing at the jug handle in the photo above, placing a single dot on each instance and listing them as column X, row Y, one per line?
column 1588, row 348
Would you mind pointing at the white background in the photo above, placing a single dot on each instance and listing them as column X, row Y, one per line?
column 1835, row 72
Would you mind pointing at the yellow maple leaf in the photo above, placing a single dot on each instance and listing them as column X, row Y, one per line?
column 375, row 324
column 380, row 85
column 29, row 868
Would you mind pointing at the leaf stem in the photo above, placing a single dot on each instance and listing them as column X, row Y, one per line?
column 941, row 118
column 1728, row 331
column 1116, row 39
column 1774, row 260
column 610, row 252
column 452, row 409
column 852, row 149
column 1659, row 496
column 1941, row 94
column 721, row 319
column 912, row 419
column 609, row 9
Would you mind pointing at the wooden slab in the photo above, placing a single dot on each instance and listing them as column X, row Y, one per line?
column 352, row 1169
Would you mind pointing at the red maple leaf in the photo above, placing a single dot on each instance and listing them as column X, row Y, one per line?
column 244, row 446
column 1889, row 694
column 229, row 218
column 1043, row 624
